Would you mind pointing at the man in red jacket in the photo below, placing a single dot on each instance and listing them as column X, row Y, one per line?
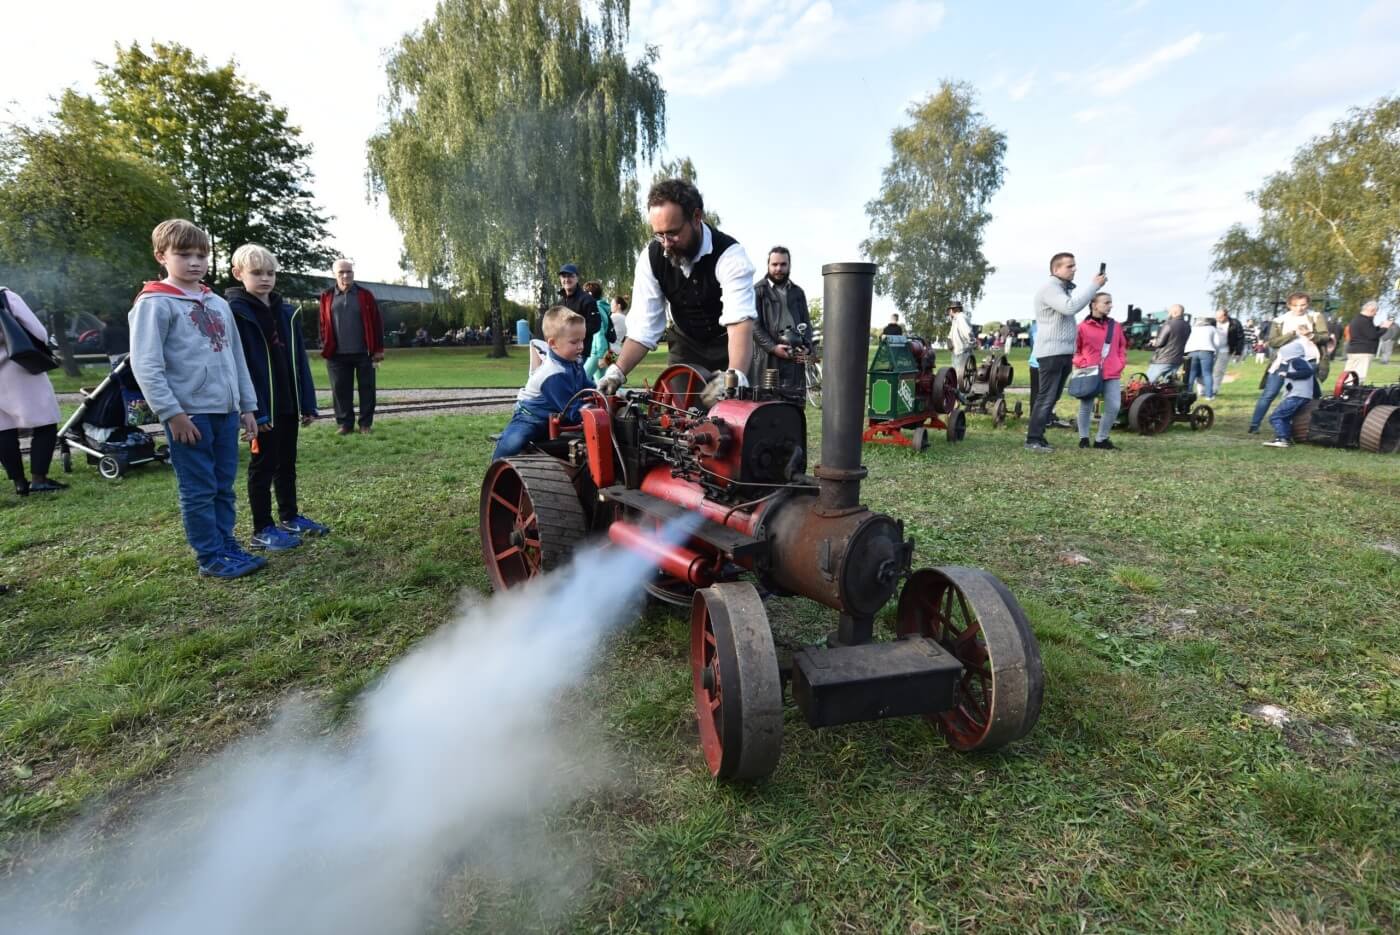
column 352, row 342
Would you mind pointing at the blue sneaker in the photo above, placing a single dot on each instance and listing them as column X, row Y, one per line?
column 230, row 566
column 274, row 539
column 305, row 527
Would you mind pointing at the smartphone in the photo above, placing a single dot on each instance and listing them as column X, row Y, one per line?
column 1102, row 268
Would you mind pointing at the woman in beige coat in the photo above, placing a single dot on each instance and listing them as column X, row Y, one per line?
column 26, row 402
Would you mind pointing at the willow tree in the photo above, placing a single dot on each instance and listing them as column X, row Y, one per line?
column 511, row 144
column 927, row 222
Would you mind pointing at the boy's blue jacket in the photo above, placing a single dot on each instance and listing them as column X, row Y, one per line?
column 552, row 388
column 256, row 352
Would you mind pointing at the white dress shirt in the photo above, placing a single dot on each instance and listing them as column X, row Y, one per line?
column 646, row 319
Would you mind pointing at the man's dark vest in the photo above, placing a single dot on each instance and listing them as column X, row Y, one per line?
column 696, row 303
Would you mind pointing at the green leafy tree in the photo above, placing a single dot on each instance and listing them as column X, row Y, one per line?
column 76, row 212
column 1330, row 223
column 512, row 140
column 928, row 220
column 1252, row 273
column 240, row 164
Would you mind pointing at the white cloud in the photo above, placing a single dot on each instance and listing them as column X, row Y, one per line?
column 1115, row 81
column 1021, row 88
column 751, row 42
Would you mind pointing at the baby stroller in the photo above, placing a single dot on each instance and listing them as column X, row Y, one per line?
column 107, row 427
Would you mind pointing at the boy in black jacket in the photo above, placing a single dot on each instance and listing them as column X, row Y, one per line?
column 270, row 332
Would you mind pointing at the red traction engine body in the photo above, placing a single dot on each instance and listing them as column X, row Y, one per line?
column 962, row 655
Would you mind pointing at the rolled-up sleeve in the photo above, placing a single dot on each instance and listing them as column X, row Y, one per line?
column 646, row 319
column 735, row 275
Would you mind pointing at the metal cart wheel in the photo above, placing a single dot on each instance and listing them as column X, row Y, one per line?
column 111, row 467
column 734, row 676
column 1302, row 421
column 999, row 413
column 919, row 438
column 531, row 519
column 1202, row 417
column 957, row 425
column 1150, row 414
column 1380, row 431
column 814, row 383
column 972, row 615
column 945, row 390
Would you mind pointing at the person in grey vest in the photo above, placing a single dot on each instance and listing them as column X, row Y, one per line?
column 1170, row 344
column 703, row 277
column 1055, row 306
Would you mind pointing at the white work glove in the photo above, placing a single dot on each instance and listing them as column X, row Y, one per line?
column 714, row 390
column 611, row 380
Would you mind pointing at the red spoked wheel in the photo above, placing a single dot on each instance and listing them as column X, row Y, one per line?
column 1150, row 414
column 531, row 519
column 1347, row 383
column 680, row 386
column 734, row 676
column 974, row 617
column 945, row 390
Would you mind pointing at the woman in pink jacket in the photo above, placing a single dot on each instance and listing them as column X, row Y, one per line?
column 1088, row 351
column 26, row 402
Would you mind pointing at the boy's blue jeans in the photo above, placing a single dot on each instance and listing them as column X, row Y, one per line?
column 204, row 473
column 1282, row 419
column 523, row 428
column 1273, row 383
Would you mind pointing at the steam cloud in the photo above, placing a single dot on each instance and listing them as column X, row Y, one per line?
column 456, row 749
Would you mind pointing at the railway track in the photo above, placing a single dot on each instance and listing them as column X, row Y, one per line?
column 443, row 404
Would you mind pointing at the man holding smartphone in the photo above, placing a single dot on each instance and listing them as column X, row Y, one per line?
column 1055, row 306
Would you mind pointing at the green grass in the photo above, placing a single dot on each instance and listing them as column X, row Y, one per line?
column 1222, row 575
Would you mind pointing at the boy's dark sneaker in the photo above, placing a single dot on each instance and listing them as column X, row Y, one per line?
column 1254, row 430
column 46, row 486
column 230, row 566
column 302, row 526
column 1278, row 443
column 274, row 539
column 1106, row 445
column 1084, row 443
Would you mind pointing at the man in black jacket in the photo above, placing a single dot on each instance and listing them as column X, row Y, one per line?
column 578, row 300
column 1363, row 337
column 782, row 316
column 1233, row 331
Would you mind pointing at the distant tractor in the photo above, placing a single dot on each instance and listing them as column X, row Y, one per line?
column 907, row 392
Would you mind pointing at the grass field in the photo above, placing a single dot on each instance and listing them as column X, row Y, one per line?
column 1220, row 576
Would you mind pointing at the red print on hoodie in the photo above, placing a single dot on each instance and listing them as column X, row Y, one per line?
column 209, row 325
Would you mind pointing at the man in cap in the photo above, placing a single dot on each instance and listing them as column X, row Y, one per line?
column 705, row 279
column 960, row 336
column 578, row 300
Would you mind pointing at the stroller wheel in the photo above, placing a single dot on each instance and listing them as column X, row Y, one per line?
column 110, row 467
column 67, row 459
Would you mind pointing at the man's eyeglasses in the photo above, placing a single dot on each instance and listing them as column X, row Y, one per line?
column 671, row 236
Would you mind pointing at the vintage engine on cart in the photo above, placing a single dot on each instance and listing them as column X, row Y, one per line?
column 1354, row 416
column 963, row 654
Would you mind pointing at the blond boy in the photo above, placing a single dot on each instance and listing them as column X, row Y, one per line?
column 552, row 388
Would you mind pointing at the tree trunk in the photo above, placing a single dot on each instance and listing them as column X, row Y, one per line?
column 542, row 270
column 65, row 352
column 498, row 323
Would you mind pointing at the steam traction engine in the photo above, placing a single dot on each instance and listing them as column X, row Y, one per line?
column 963, row 654
column 1354, row 416
column 908, row 391
column 984, row 385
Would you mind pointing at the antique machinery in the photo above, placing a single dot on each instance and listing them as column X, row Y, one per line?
column 1354, row 416
column 962, row 654
column 1151, row 408
column 983, row 388
column 908, row 391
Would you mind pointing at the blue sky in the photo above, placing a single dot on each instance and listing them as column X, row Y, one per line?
column 1135, row 128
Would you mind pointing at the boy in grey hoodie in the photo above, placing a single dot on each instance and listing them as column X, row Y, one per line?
column 189, row 363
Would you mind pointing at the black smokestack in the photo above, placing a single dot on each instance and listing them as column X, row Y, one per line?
column 847, row 291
